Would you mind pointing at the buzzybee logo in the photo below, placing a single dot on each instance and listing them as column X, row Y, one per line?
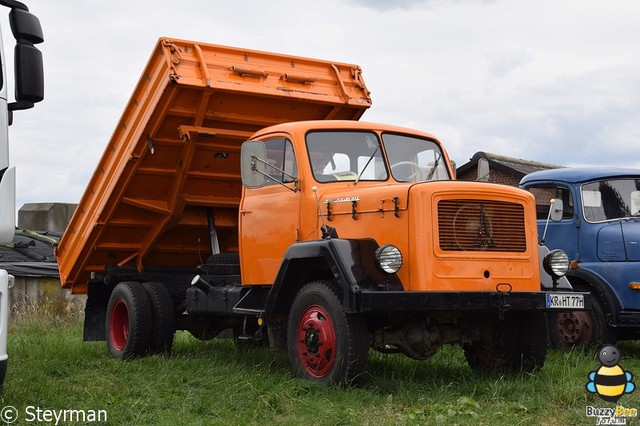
column 610, row 382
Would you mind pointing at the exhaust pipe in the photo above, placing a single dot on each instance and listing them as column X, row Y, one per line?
column 201, row 284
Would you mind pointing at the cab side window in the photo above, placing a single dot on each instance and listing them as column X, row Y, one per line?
column 280, row 157
column 544, row 195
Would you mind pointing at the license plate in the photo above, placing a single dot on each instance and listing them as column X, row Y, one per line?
column 565, row 301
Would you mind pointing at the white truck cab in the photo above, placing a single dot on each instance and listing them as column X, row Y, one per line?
column 29, row 89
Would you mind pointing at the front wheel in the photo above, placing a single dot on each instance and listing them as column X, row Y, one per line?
column 326, row 344
column 571, row 329
column 516, row 343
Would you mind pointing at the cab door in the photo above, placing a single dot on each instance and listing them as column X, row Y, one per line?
column 270, row 215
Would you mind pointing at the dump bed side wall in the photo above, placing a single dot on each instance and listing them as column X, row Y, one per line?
column 175, row 152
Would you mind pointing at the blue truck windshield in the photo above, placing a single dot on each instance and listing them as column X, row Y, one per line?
column 611, row 199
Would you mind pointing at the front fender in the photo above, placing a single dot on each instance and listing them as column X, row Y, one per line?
column 350, row 263
column 602, row 289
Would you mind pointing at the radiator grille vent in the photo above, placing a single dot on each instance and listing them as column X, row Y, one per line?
column 481, row 225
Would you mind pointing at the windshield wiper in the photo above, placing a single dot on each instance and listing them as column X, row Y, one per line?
column 367, row 165
column 435, row 167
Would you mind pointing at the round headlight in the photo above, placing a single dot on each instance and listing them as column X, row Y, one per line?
column 388, row 259
column 556, row 263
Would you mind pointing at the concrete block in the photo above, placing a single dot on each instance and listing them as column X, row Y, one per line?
column 52, row 217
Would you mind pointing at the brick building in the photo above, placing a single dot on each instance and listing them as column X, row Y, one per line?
column 493, row 168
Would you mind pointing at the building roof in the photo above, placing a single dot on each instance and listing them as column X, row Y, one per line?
column 30, row 254
column 514, row 166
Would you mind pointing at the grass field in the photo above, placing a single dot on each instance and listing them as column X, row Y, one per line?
column 213, row 382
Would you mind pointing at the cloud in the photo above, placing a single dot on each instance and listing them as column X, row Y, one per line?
column 382, row 5
column 546, row 81
column 502, row 63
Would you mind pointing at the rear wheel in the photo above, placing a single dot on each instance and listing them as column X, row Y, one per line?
column 162, row 317
column 516, row 343
column 128, row 321
column 326, row 344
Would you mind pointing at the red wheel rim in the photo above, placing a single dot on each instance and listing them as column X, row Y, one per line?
column 499, row 351
column 316, row 341
column 119, row 321
column 574, row 328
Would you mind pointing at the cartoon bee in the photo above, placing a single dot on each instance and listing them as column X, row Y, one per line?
column 610, row 381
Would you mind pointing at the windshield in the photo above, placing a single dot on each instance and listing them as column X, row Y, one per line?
column 611, row 199
column 413, row 159
column 344, row 155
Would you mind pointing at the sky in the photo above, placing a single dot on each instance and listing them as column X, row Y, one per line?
column 555, row 81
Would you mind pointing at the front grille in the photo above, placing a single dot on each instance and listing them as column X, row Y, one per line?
column 481, row 225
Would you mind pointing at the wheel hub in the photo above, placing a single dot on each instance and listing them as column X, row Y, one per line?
column 574, row 327
column 312, row 340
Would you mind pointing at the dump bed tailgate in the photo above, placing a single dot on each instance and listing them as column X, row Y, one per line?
column 174, row 154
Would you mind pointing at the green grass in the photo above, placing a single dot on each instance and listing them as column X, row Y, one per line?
column 214, row 382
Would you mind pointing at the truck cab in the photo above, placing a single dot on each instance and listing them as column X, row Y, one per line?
column 391, row 184
column 598, row 226
column 29, row 89
column 337, row 176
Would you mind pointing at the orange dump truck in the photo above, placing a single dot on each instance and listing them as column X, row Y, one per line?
column 238, row 192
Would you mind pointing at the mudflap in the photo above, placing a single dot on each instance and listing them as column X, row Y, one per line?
column 95, row 311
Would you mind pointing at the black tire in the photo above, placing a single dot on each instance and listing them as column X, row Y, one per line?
column 222, row 264
column 588, row 329
column 224, row 259
column 162, row 317
column 519, row 342
column 128, row 321
column 325, row 344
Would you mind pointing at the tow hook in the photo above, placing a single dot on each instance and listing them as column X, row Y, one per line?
column 503, row 290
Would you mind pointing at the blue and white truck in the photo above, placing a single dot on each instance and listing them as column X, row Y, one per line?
column 593, row 214
column 29, row 89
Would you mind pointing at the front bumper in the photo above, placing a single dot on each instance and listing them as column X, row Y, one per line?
column 423, row 301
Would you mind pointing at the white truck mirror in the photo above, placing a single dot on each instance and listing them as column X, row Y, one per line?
column 557, row 208
column 555, row 215
column 252, row 165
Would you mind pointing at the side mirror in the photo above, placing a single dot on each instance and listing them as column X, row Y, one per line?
column 557, row 208
column 29, row 69
column 252, row 171
column 25, row 26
